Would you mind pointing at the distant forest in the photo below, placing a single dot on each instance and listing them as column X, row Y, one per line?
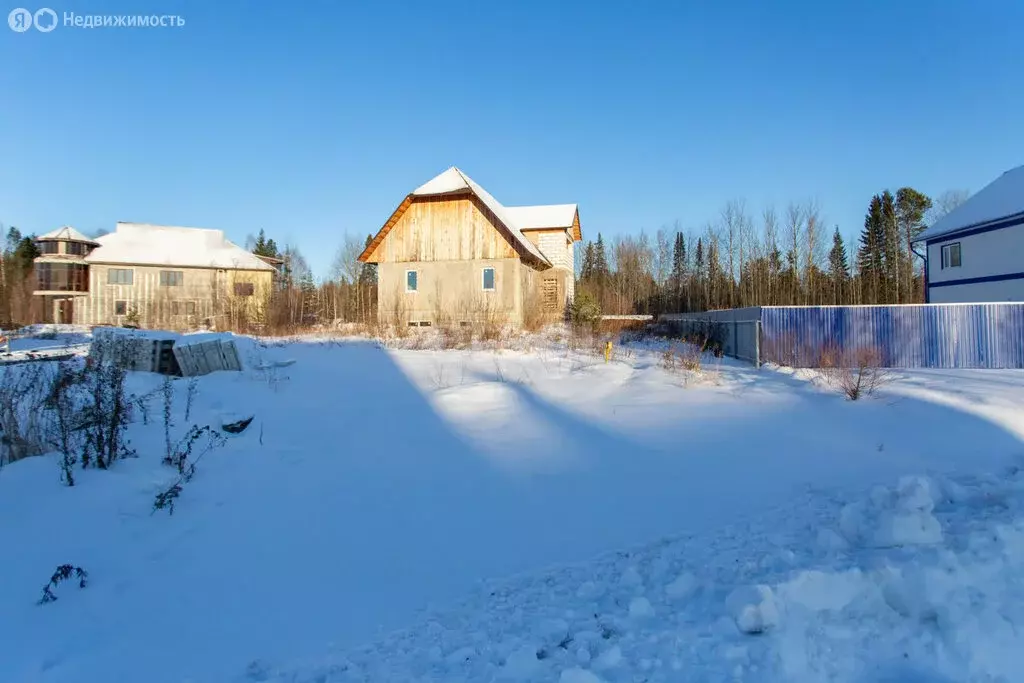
column 772, row 259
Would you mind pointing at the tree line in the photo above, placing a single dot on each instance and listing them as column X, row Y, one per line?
column 774, row 259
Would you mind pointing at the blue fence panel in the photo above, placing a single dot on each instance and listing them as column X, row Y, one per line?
column 906, row 336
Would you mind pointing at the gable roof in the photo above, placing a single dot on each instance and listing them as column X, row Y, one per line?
column 66, row 233
column 453, row 181
column 165, row 245
column 1001, row 199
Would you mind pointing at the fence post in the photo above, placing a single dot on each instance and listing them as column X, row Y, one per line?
column 757, row 343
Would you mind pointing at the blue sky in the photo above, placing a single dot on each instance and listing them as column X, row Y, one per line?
column 315, row 119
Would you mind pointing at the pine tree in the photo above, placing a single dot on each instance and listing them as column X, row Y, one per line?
column 838, row 268
column 911, row 207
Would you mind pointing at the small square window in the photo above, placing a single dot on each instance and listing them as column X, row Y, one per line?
column 171, row 278
column 488, row 279
column 190, row 308
column 411, row 280
column 244, row 288
column 120, row 308
column 951, row 255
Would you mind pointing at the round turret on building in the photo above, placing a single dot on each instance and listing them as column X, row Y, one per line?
column 61, row 272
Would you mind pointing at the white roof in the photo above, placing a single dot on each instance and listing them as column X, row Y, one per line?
column 1002, row 198
column 543, row 216
column 66, row 233
column 454, row 180
column 164, row 245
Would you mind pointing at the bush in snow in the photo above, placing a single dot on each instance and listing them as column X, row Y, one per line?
column 855, row 372
column 63, row 573
column 181, row 457
column 23, row 394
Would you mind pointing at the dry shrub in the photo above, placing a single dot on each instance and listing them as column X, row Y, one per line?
column 534, row 315
column 855, row 372
column 687, row 357
column 398, row 316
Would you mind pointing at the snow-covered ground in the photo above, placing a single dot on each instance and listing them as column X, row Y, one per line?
column 534, row 515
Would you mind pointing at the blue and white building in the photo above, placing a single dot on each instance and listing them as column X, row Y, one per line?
column 976, row 252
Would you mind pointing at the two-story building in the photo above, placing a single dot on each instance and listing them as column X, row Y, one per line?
column 152, row 276
column 451, row 252
column 976, row 252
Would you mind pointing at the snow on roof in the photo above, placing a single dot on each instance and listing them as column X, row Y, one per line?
column 1002, row 198
column 543, row 216
column 164, row 245
column 454, row 180
column 66, row 233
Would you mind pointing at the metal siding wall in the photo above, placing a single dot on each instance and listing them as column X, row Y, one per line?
column 907, row 336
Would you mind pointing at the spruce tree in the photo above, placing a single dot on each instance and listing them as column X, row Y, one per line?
column 601, row 269
column 265, row 247
column 368, row 271
column 587, row 271
column 870, row 255
column 892, row 253
column 838, row 268
column 678, row 276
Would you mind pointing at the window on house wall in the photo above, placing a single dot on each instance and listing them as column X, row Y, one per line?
column 244, row 289
column 951, row 255
column 190, row 308
column 47, row 247
column 488, row 279
column 76, row 248
column 120, row 308
column 172, row 278
column 120, row 276
column 411, row 280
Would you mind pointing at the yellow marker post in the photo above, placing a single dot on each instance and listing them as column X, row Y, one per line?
column 607, row 351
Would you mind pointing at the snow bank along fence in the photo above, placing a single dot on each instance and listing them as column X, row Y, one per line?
column 166, row 352
column 982, row 335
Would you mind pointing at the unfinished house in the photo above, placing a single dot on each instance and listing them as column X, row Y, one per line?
column 452, row 254
column 152, row 276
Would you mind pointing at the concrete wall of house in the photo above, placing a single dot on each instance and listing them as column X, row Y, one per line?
column 986, row 254
column 450, row 292
column 205, row 296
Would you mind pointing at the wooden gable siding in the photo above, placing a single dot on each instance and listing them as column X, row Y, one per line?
column 443, row 228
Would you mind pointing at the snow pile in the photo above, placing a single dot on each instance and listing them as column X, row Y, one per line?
column 753, row 608
column 894, row 517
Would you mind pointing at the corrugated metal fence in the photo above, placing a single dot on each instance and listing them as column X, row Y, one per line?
column 904, row 336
